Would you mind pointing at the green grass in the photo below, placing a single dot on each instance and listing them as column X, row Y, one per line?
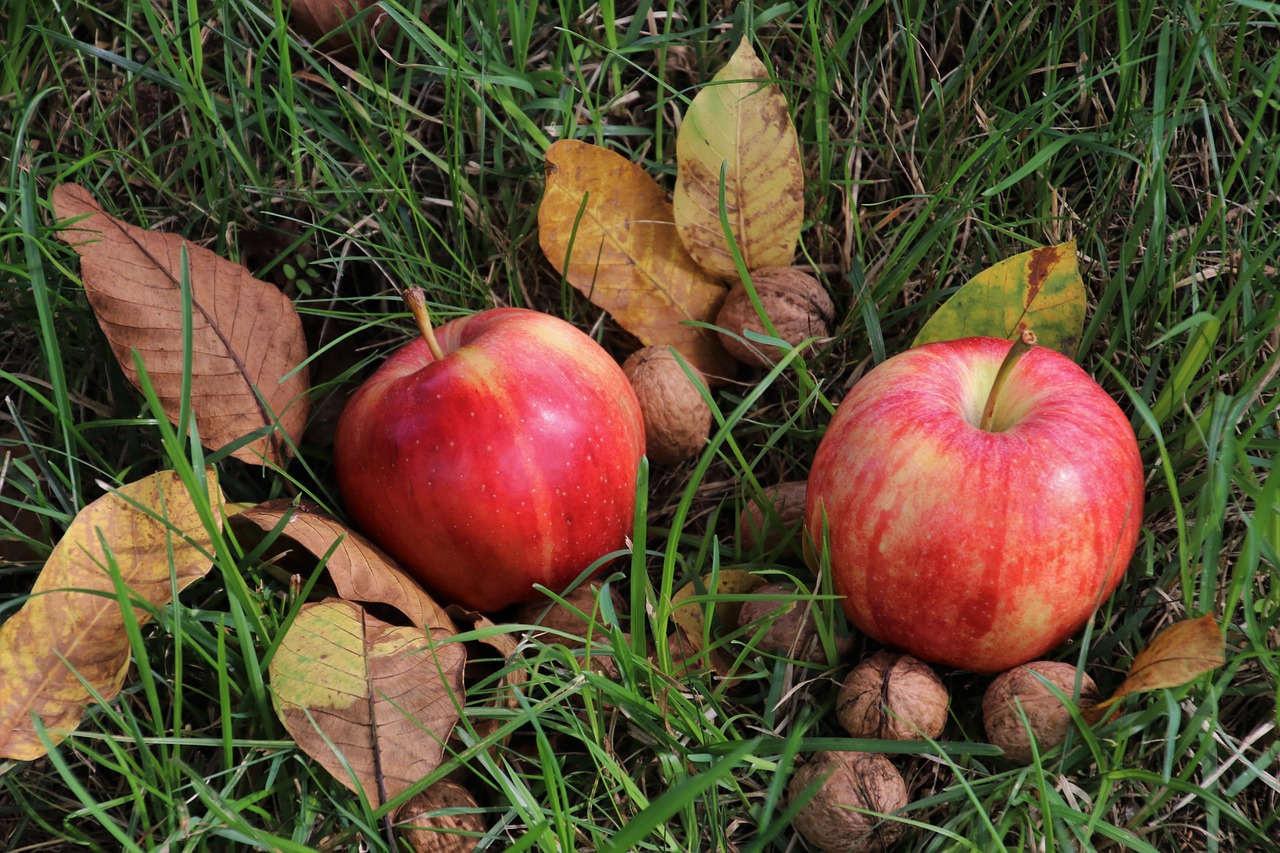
column 938, row 138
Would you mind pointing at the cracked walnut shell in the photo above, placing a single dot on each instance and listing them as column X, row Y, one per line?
column 835, row 819
column 1047, row 717
column 797, row 305
column 893, row 696
column 677, row 419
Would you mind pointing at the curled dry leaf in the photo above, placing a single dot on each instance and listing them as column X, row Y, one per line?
column 686, row 642
column 445, row 818
column 359, row 570
column 248, row 354
column 739, row 127
column 1040, row 290
column 73, row 628
column 1176, row 656
column 381, row 698
column 626, row 256
column 479, row 669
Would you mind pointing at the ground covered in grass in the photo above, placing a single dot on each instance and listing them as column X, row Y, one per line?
column 938, row 138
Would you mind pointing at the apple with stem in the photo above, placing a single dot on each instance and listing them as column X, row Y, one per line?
column 498, row 451
column 977, row 501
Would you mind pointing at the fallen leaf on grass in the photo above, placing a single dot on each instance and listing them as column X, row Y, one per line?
column 445, row 818
column 1176, row 656
column 691, row 616
column 355, row 692
column 607, row 227
column 1041, row 290
column 739, row 127
column 73, row 628
column 359, row 570
column 248, row 348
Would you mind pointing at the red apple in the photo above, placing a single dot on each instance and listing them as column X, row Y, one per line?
column 979, row 546
column 510, row 459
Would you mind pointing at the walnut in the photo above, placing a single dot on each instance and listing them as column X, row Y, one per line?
column 894, row 696
column 786, row 499
column 792, row 631
column 428, row 833
column 797, row 304
column 831, row 820
column 1048, row 718
column 552, row 616
column 676, row 417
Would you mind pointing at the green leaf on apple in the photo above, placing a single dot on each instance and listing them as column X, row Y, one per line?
column 1040, row 290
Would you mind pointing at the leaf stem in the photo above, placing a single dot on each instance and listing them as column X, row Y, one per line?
column 417, row 303
column 1020, row 347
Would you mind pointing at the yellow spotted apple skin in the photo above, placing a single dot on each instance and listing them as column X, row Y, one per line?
column 511, row 461
column 972, row 548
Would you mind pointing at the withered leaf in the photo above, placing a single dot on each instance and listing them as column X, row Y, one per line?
column 349, row 687
column 738, row 128
column 360, row 571
column 690, row 616
column 248, row 346
column 1176, row 656
column 626, row 255
column 445, row 818
column 72, row 627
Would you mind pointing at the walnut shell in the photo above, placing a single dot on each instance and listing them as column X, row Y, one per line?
column 893, row 696
column 786, row 499
column 676, row 417
column 553, row 616
column 793, row 631
column 428, row 833
column 858, row 780
column 795, row 301
column 1048, row 718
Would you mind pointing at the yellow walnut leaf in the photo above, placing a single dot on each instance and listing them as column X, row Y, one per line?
column 1040, row 290
column 72, row 627
column 358, row 693
column 739, row 127
column 1176, row 656
column 607, row 227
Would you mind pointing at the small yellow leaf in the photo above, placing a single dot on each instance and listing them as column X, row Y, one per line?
column 1040, row 290
column 349, row 687
column 72, row 626
column 1176, row 656
column 724, row 614
column 607, row 227
column 739, row 128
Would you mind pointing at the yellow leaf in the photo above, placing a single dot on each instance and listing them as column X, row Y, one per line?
column 248, row 370
column 72, row 626
column 724, row 614
column 1176, row 656
column 606, row 226
column 739, row 127
column 381, row 698
column 1041, row 290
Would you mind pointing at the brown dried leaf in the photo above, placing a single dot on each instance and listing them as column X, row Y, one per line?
column 359, row 570
column 349, row 687
column 248, row 352
column 626, row 255
column 1176, row 656
column 420, row 825
column 72, row 627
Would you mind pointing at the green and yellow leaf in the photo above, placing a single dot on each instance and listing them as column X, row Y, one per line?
column 738, row 132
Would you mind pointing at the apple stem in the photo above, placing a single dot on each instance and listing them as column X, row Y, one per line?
column 1020, row 347
column 417, row 302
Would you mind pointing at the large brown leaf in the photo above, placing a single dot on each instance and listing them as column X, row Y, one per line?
column 359, row 570
column 72, row 627
column 356, row 692
column 738, row 129
column 248, row 350
column 608, row 228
